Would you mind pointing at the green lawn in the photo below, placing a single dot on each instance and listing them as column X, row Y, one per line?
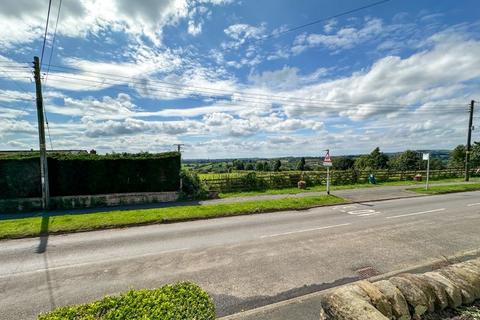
column 340, row 187
column 81, row 222
column 447, row 189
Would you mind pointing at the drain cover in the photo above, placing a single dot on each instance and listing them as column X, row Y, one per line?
column 367, row 272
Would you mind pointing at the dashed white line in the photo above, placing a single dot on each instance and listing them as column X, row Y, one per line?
column 304, row 230
column 415, row 213
column 473, row 204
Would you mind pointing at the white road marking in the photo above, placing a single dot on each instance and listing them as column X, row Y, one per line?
column 304, row 230
column 473, row 204
column 415, row 213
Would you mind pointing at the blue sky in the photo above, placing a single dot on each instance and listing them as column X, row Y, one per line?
column 222, row 77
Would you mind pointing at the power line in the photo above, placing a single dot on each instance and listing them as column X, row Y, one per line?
column 53, row 42
column 338, row 15
column 46, row 30
column 219, row 92
column 48, row 70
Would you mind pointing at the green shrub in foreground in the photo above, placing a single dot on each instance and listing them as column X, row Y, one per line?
column 181, row 301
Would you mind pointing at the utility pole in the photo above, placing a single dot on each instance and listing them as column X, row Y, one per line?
column 41, row 136
column 469, row 142
column 179, row 146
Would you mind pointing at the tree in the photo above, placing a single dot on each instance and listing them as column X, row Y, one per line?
column 379, row 159
column 266, row 166
column 475, row 155
column 407, row 160
column 375, row 160
column 277, row 165
column 343, row 163
column 301, row 164
column 259, row 166
column 249, row 166
column 457, row 156
column 238, row 164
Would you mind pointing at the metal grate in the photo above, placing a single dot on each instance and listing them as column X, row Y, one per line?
column 367, row 272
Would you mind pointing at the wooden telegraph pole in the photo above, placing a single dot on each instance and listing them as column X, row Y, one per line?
column 41, row 136
column 469, row 142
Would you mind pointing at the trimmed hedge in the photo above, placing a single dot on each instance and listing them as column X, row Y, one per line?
column 86, row 174
column 20, row 178
column 181, row 301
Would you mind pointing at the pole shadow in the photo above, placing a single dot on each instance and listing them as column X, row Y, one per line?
column 42, row 249
column 42, row 246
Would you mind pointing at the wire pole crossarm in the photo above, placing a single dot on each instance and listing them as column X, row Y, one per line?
column 41, row 136
column 469, row 142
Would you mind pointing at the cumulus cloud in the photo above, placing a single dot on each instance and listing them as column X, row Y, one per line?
column 344, row 38
column 22, row 21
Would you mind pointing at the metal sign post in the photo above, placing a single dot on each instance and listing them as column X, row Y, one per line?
column 426, row 156
column 327, row 162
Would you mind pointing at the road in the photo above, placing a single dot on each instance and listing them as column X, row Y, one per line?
column 243, row 262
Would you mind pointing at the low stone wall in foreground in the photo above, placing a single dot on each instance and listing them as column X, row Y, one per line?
column 405, row 296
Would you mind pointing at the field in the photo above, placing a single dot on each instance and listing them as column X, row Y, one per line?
column 244, row 181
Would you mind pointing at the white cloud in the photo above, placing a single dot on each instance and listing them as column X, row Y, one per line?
column 23, row 21
column 344, row 38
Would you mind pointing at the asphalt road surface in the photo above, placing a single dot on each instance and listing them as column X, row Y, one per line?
column 243, row 262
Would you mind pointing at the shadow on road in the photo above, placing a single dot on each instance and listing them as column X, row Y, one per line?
column 42, row 249
column 42, row 246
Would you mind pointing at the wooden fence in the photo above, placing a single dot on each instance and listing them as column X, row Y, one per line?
column 250, row 180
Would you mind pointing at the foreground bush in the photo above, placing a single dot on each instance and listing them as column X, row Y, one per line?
column 192, row 186
column 181, row 301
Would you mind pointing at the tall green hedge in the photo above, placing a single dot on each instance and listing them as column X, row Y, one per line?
column 20, row 178
column 181, row 301
column 91, row 174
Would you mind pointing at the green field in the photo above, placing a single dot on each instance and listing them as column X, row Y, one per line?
column 18, row 228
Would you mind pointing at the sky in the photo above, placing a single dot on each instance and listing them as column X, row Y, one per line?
column 231, row 79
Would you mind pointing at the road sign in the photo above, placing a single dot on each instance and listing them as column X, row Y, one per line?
column 426, row 156
column 327, row 161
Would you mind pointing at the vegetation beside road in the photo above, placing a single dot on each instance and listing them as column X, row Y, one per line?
column 447, row 188
column 171, row 302
column 35, row 226
column 336, row 187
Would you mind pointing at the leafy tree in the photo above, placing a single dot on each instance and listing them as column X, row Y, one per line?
column 277, row 165
column 379, row 159
column 475, row 155
column 375, row 160
column 407, row 160
column 249, row 166
column 457, row 156
column 238, row 164
column 259, row 166
column 343, row 163
column 301, row 164
column 266, row 166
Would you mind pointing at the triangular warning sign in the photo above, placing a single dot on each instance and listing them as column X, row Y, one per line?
column 327, row 158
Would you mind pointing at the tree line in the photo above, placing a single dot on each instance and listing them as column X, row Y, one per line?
column 375, row 160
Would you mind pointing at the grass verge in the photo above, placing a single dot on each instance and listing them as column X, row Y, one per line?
column 447, row 189
column 35, row 226
column 340, row 187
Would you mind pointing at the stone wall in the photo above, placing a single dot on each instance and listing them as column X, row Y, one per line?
column 88, row 201
column 405, row 296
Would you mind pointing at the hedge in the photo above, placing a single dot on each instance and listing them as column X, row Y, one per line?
column 87, row 174
column 20, row 178
column 181, row 301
